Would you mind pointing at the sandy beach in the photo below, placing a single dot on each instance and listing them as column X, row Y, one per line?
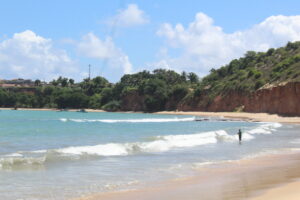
column 261, row 117
column 245, row 179
column 289, row 191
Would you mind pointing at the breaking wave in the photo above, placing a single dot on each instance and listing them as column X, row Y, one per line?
column 158, row 144
column 145, row 120
column 265, row 128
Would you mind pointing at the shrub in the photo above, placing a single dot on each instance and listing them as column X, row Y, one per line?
column 257, row 74
column 112, row 106
column 179, row 91
column 259, row 84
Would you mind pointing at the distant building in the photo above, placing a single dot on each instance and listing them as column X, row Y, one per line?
column 17, row 83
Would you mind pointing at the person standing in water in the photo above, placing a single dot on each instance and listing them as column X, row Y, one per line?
column 240, row 135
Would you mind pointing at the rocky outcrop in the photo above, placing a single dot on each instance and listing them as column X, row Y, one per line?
column 282, row 100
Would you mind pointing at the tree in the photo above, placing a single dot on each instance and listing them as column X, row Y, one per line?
column 156, row 94
column 3, row 97
column 72, row 100
column 183, row 76
column 179, row 92
column 64, row 82
column 54, row 82
column 96, row 85
column 71, row 81
column 106, row 95
column 37, row 82
column 193, row 78
column 95, row 101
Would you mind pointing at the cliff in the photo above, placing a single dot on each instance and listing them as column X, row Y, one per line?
column 281, row 99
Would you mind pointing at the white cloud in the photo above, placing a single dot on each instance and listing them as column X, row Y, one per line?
column 131, row 16
column 116, row 62
column 205, row 45
column 27, row 55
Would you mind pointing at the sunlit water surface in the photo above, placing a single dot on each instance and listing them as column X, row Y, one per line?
column 61, row 155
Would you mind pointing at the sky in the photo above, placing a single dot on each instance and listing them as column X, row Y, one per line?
column 46, row 39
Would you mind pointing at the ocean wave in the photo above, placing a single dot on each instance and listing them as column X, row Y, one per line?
column 265, row 128
column 20, row 162
column 145, row 120
column 157, row 145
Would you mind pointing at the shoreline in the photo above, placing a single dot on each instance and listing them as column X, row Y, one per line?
column 259, row 178
column 251, row 117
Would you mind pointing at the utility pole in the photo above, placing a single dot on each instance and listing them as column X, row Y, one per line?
column 89, row 72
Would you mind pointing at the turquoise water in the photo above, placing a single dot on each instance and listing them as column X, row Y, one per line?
column 60, row 155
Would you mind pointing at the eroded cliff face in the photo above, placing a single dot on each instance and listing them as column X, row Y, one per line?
column 282, row 100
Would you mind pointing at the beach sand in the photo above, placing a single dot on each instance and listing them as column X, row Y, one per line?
column 261, row 117
column 289, row 191
column 244, row 179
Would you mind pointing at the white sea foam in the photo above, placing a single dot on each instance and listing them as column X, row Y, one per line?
column 102, row 150
column 145, row 120
column 14, row 162
column 167, row 142
column 63, row 119
column 260, row 130
column 13, row 155
column 265, row 128
column 160, row 144
column 272, row 152
column 296, row 141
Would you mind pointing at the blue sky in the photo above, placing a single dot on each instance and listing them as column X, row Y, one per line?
column 45, row 39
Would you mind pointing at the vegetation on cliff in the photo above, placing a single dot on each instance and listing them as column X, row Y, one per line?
column 162, row 89
column 255, row 70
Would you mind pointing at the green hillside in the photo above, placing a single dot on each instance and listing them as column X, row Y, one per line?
column 256, row 70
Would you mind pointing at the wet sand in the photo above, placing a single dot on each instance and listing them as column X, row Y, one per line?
column 244, row 179
column 261, row 117
column 289, row 191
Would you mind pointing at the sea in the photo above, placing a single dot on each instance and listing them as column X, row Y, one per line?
column 52, row 155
